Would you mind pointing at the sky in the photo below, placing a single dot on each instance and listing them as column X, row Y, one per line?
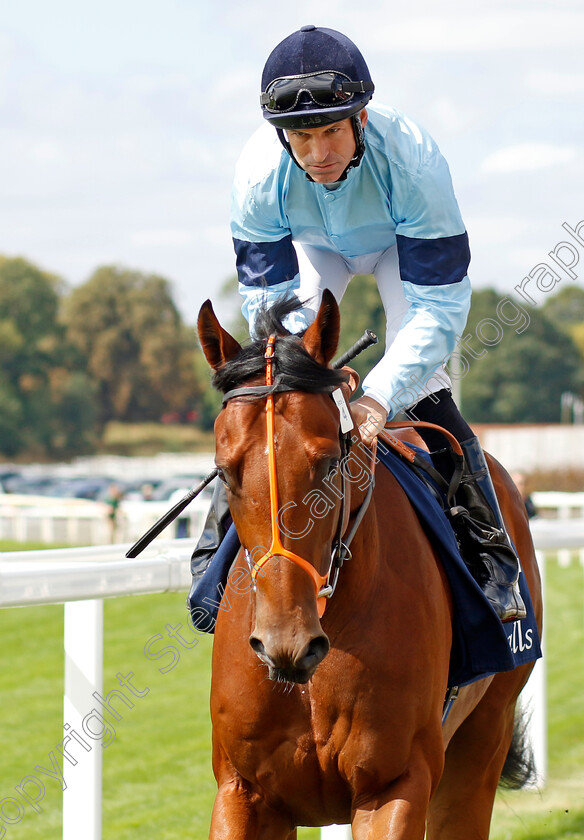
column 121, row 122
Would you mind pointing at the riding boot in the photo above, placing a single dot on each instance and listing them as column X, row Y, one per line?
column 499, row 564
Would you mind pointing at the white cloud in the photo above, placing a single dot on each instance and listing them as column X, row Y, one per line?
column 524, row 259
column 217, row 235
column 526, row 157
column 489, row 230
column 470, row 30
column 554, row 83
column 450, row 115
column 162, row 238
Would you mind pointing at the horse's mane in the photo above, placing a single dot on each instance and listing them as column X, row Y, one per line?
column 291, row 360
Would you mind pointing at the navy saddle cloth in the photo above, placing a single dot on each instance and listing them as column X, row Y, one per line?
column 481, row 645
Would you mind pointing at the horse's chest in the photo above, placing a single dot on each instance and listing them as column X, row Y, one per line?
column 296, row 731
column 291, row 759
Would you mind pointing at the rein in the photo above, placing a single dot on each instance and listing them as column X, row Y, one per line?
column 324, row 585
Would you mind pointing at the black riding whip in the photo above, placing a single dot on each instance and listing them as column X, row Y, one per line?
column 367, row 339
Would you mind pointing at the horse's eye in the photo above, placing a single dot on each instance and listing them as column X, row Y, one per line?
column 333, row 466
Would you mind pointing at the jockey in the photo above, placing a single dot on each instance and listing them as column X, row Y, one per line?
column 340, row 189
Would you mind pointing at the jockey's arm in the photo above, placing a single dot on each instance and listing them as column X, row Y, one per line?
column 432, row 245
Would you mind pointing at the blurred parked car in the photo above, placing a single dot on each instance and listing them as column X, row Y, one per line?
column 138, row 490
column 179, row 485
column 82, row 487
column 31, row 485
column 5, row 477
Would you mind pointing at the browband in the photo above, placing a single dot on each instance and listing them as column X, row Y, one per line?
column 279, row 386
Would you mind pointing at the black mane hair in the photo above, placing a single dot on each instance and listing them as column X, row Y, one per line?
column 291, row 360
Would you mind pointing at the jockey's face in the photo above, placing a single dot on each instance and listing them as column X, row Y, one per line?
column 325, row 152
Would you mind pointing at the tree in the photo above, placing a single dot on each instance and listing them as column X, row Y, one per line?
column 566, row 310
column 522, row 376
column 136, row 347
column 29, row 303
column 11, row 421
column 566, row 307
column 46, row 404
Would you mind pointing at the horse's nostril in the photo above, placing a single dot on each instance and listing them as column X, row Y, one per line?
column 315, row 652
column 257, row 646
column 307, row 660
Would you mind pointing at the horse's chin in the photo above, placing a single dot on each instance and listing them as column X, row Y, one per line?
column 297, row 676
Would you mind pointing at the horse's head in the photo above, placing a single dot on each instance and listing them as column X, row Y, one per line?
column 278, row 451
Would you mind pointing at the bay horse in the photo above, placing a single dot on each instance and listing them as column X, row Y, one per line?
column 337, row 717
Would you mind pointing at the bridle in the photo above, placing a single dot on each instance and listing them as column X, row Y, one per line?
column 324, row 585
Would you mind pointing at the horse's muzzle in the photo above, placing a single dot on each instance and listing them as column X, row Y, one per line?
column 291, row 667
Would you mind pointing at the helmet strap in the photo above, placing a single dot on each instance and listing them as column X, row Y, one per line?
column 285, row 142
column 355, row 160
column 359, row 144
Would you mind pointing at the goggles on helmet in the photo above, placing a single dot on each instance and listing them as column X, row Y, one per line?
column 326, row 89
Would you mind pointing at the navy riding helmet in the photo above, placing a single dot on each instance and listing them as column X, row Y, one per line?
column 313, row 78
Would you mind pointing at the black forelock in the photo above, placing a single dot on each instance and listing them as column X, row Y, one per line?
column 301, row 371
column 269, row 320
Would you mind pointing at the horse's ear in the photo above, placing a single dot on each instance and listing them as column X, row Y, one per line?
column 322, row 336
column 218, row 346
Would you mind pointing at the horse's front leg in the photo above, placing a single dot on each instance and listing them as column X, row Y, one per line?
column 399, row 812
column 239, row 813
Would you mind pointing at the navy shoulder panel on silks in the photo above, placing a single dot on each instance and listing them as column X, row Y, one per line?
column 433, row 262
column 481, row 645
column 265, row 263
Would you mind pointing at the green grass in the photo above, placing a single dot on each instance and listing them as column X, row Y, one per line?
column 158, row 783
column 558, row 812
column 157, row 779
column 13, row 545
column 137, row 439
